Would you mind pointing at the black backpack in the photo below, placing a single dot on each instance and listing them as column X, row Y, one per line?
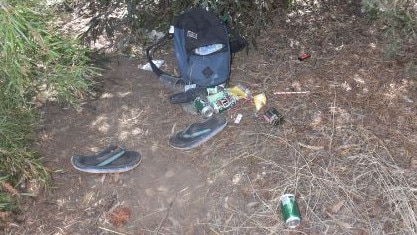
column 202, row 48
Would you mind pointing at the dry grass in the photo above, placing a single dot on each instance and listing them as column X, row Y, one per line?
column 357, row 188
column 345, row 147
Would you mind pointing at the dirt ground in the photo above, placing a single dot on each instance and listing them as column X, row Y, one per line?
column 346, row 148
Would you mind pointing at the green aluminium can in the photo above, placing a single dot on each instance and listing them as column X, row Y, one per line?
column 202, row 106
column 290, row 211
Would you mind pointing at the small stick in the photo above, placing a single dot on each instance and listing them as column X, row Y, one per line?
column 112, row 231
column 166, row 215
column 290, row 92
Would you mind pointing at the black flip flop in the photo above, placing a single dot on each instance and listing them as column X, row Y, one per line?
column 198, row 133
column 113, row 159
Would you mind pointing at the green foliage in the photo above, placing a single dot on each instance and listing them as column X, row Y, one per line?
column 17, row 125
column 18, row 163
column 289, row 4
column 246, row 17
column 399, row 19
column 37, row 61
column 7, row 201
column 35, row 58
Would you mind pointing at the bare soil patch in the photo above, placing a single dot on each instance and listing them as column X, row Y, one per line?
column 346, row 149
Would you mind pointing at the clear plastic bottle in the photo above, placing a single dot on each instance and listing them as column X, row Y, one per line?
column 245, row 89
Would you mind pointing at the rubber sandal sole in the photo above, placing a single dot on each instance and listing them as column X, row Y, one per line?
column 112, row 160
column 186, row 141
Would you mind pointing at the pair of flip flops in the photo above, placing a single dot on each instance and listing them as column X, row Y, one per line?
column 113, row 159
column 198, row 133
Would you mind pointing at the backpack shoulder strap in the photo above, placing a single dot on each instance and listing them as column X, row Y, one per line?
column 167, row 79
column 149, row 50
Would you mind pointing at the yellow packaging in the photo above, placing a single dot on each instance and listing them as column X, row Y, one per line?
column 237, row 92
column 260, row 101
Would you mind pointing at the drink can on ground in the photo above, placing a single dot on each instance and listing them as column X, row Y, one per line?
column 290, row 211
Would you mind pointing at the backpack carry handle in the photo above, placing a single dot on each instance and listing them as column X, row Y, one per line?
column 167, row 79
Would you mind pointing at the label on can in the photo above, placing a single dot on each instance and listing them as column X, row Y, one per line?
column 273, row 117
column 225, row 103
column 215, row 103
column 290, row 211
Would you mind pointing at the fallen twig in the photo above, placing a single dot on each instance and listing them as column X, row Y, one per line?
column 166, row 215
column 112, row 231
column 290, row 92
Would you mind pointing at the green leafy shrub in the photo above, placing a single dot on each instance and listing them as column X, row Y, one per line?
column 37, row 61
column 399, row 19
column 246, row 17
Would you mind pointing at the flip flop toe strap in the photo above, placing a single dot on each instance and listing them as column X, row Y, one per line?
column 112, row 157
